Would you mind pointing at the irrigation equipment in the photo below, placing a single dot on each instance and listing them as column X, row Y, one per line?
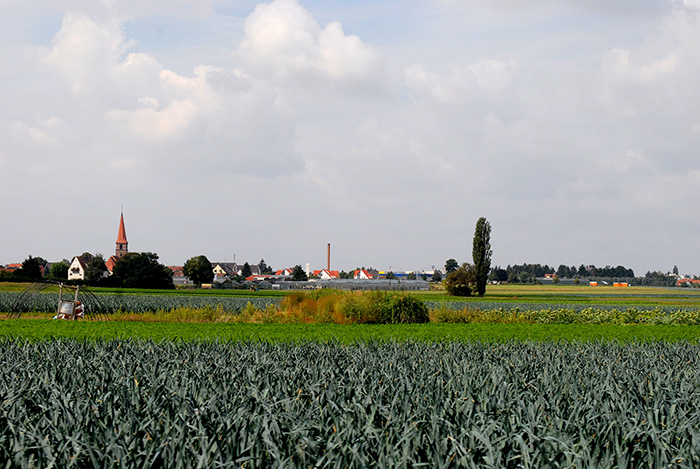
column 73, row 301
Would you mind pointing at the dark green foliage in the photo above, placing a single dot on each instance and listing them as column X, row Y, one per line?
column 407, row 309
column 59, row 270
column 390, row 275
column 481, row 254
column 199, row 270
column 30, row 270
column 142, row 270
column 264, row 268
column 498, row 275
column 462, row 281
column 451, row 265
column 381, row 307
column 298, row 274
column 143, row 404
column 95, row 270
column 246, row 271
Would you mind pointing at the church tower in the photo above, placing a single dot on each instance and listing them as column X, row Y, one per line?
column 122, row 243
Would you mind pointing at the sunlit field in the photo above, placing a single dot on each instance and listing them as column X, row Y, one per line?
column 528, row 376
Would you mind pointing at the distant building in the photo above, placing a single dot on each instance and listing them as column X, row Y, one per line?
column 362, row 274
column 325, row 274
column 228, row 270
column 178, row 275
column 77, row 268
column 122, row 246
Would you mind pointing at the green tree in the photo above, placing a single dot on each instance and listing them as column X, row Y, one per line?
column 59, row 270
column 451, row 265
column 298, row 274
column 513, row 277
column 264, row 268
column 498, row 275
column 437, row 276
column 142, row 270
column 461, row 282
column 199, row 270
column 411, row 276
column 95, row 268
column 563, row 271
column 31, row 268
column 246, row 271
column 481, row 254
column 390, row 275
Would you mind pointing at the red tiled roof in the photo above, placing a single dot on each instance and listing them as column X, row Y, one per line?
column 366, row 273
column 111, row 262
column 330, row 273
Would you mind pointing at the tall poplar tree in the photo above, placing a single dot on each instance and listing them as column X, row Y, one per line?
column 481, row 254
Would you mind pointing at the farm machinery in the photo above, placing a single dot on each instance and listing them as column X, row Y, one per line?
column 74, row 302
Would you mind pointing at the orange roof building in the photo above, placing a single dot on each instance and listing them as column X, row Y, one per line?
column 122, row 246
column 122, row 243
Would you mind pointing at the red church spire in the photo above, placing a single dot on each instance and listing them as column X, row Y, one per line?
column 121, row 237
column 122, row 243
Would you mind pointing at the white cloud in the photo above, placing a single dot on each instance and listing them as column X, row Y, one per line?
column 578, row 120
column 228, row 119
column 283, row 40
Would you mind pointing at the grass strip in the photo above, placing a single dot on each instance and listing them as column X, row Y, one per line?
column 46, row 329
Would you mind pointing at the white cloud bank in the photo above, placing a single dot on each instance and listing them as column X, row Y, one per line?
column 310, row 134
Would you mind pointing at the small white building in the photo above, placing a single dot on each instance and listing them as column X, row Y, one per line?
column 76, row 271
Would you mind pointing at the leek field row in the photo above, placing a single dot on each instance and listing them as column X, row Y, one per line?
column 111, row 303
column 69, row 403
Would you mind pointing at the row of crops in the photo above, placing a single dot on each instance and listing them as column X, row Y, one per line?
column 66, row 403
column 449, row 312
column 515, row 306
column 569, row 314
column 47, row 302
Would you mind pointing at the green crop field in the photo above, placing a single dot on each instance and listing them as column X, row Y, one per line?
column 525, row 377
column 38, row 329
column 579, row 294
column 133, row 403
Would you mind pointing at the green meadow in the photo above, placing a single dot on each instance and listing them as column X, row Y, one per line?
column 43, row 329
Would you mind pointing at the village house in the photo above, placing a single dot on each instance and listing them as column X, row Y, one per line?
column 325, row 274
column 362, row 274
column 228, row 270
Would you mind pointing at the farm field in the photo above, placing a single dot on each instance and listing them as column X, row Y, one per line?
column 167, row 384
column 507, row 296
column 580, row 294
column 43, row 329
column 135, row 403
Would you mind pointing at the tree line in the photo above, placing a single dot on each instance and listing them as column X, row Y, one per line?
column 132, row 270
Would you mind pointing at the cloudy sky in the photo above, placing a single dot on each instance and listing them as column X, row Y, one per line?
column 386, row 128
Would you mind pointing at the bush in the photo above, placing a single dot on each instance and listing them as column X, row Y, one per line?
column 362, row 307
column 407, row 309
column 462, row 281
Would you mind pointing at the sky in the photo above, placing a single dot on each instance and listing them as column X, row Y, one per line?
column 245, row 131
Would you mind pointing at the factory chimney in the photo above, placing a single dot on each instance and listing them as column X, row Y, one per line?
column 329, row 257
